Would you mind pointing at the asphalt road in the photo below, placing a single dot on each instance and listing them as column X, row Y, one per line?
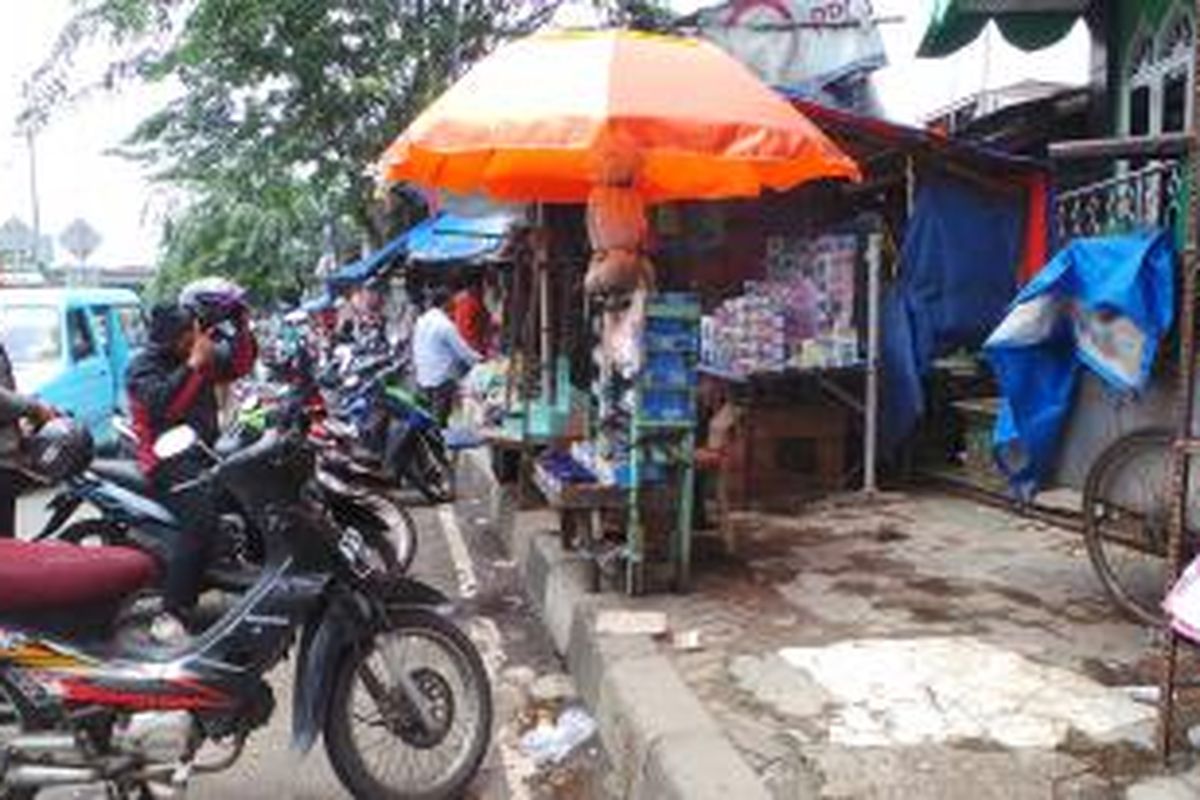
column 458, row 555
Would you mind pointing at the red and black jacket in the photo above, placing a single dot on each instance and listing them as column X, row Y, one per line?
column 164, row 392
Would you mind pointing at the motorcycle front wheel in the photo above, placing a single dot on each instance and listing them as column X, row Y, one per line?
column 378, row 744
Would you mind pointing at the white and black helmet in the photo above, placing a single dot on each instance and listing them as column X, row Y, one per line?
column 213, row 300
column 60, row 449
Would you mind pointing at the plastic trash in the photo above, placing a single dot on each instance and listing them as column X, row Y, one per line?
column 550, row 744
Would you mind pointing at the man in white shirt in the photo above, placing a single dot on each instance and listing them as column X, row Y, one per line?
column 440, row 355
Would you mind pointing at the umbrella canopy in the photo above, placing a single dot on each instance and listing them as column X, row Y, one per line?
column 536, row 120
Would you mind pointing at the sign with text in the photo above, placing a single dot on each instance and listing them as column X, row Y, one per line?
column 798, row 45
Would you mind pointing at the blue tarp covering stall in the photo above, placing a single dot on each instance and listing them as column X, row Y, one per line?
column 454, row 238
column 367, row 267
column 443, row 238
column 958, row 274
column 1101, row 303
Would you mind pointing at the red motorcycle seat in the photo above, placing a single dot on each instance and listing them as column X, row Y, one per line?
column 47, row 575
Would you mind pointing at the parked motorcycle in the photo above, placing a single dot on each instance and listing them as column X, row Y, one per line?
column 398, row 691
column 400, row 436
column 128, row 515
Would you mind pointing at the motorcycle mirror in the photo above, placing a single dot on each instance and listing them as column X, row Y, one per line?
column 175, row 442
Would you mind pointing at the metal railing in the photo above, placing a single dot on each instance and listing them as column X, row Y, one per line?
column 1152, row 196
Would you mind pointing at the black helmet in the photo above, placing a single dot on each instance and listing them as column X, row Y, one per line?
column 61, row 449
column 213, row 300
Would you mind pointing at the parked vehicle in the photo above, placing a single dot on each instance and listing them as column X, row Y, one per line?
column 127, row 515
column 397, row 690
column 384, row 425
column 71, row 347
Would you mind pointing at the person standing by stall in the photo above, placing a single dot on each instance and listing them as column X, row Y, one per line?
column 471, row 315
column 440, row 355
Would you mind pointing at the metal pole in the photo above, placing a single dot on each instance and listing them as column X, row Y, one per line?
column 1181, row 461
column 870, row 429
column 33, row 200
column 543, row 268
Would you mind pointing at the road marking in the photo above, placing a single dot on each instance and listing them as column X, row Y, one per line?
column 518, row 769
column 464, row 567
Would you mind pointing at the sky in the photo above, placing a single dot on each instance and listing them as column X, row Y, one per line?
column 79, row 178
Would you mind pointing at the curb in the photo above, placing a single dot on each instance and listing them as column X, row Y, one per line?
column 663, row 743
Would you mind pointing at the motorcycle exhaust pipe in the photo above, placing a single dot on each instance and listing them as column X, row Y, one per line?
column 43, row 744
column 37, row 776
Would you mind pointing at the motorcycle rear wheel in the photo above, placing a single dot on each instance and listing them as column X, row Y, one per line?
column 398, row 545
column 454, row 686
column 430, row 470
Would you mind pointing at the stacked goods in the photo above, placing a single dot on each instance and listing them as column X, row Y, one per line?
column 748, row 334
column 802, row 318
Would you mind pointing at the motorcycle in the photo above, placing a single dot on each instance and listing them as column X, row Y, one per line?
column 128, row 515
column 402, row 440
column 381, row 671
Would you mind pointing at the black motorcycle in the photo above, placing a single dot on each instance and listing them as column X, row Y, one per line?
column 128, row 516
column 398, row 691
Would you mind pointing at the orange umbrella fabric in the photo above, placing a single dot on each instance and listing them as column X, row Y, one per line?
column 536, row 120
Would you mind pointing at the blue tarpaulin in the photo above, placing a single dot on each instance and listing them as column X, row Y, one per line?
column 442, row 238
column 368, row 266
column 957, row 276
column 1102, row 303
column 451, row 237
column 320, row 303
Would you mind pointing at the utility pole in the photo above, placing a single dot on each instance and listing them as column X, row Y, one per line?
column 30, row 140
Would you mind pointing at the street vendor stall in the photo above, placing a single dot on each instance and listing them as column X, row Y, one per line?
column 621, row 130
column 785, row 282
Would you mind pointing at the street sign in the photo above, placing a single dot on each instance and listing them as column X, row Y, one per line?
column 80, row 239
column 15, row 237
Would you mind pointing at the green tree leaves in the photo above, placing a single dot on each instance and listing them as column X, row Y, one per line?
column 283, row 105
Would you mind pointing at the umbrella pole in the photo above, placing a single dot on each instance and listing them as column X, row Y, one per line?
column 870, row 428
column 543, row 274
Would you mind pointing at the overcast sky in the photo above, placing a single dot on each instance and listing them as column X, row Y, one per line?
column 76, row 178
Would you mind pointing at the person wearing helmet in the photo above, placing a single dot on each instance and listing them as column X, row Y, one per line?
column 173, row 382
column 14, row 408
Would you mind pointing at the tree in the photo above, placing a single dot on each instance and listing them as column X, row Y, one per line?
column 283, row 106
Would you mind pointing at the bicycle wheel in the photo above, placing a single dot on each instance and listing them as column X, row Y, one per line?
column 1127, row 511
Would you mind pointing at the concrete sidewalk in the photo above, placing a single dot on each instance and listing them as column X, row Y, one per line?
column 918, row 647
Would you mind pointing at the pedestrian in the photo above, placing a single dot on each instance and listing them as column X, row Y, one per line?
column 471, row 315
column 440, row 355
column 14, row 407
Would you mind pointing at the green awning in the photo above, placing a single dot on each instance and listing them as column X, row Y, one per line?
column 1027, row 24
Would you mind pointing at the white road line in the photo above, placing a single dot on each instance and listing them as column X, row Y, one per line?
column 486, row 635
column 464, row 568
